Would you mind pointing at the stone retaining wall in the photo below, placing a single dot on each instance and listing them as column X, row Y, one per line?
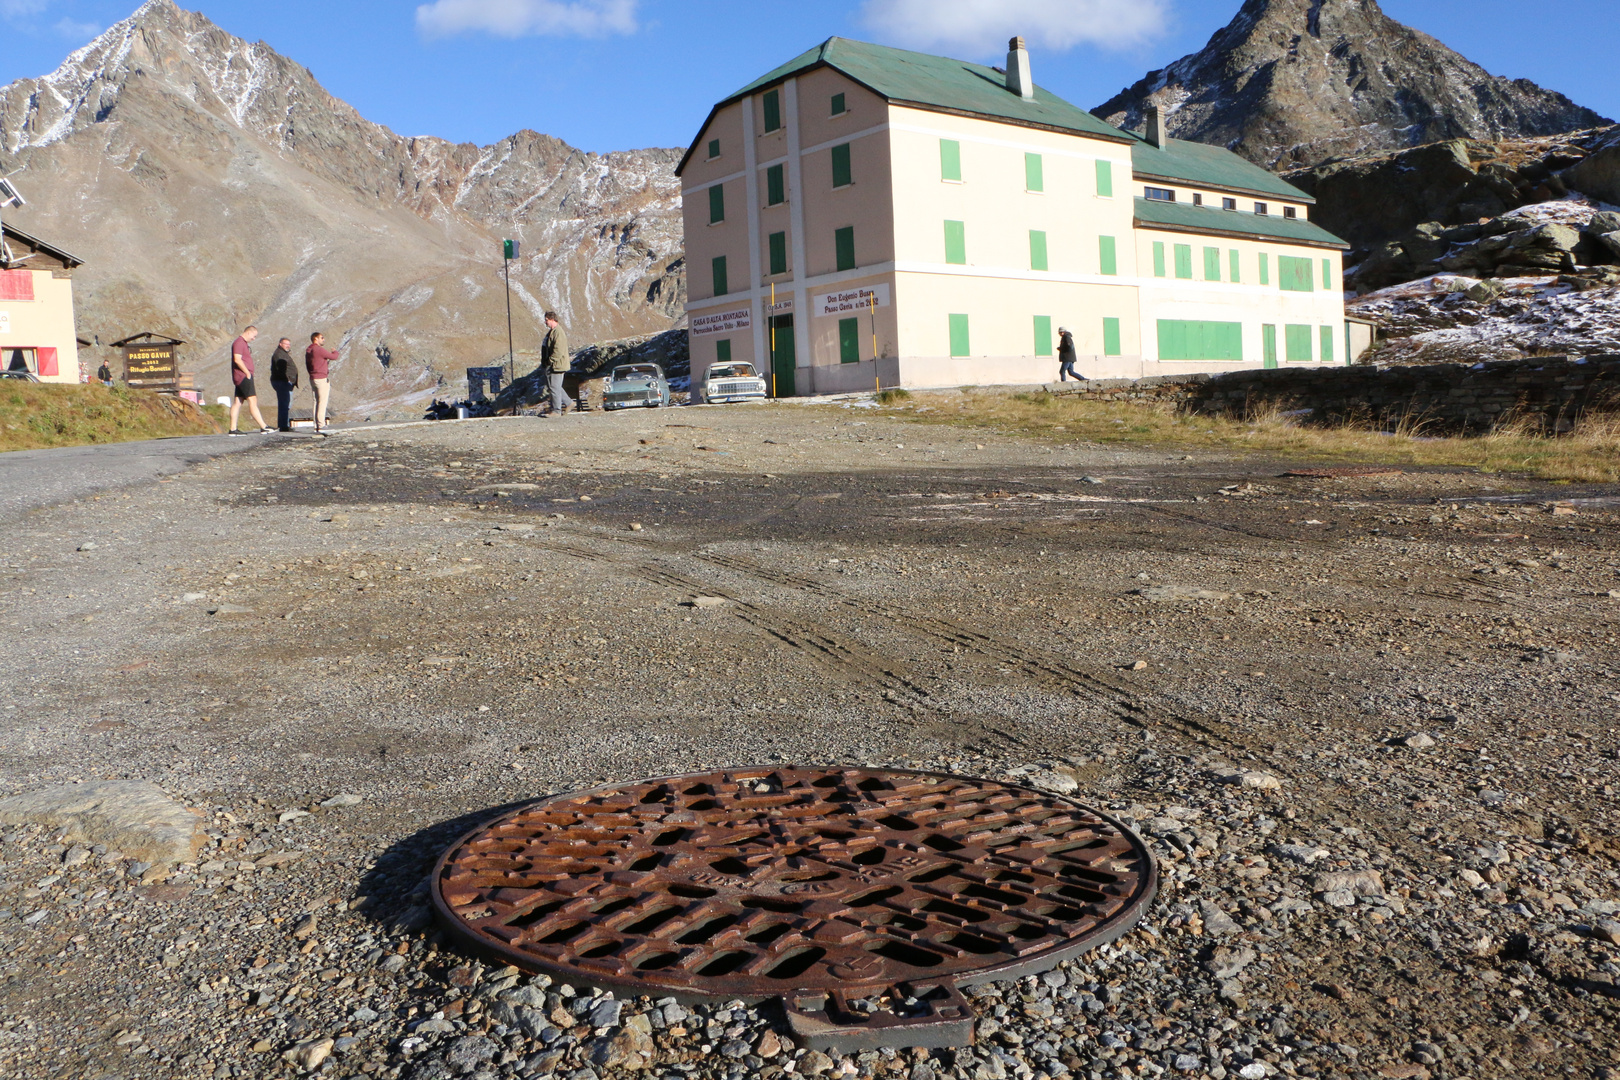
column 1551, row 392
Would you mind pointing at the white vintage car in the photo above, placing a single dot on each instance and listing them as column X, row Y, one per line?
column 730, row 381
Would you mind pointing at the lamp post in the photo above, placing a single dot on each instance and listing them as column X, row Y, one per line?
column 509, row 251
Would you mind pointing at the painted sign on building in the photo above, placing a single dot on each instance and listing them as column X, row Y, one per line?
column 5, row 322
column 727, row 322
column 852, row 300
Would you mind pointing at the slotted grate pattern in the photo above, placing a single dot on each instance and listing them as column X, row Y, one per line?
column 758, row 882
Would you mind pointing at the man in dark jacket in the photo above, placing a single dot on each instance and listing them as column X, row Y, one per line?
column 1067, row 357
column 284, row 379
column 555, row 360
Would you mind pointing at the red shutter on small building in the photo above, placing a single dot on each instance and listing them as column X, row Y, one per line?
column 16, row 284
column 47, row 362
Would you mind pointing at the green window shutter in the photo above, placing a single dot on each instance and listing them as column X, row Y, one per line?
column 717, row 204
column 1158, row 259
column 1037, row 250
column 844, row 245
column 849, row 341
column 1034, row 173
column 950, row 159
column 779, row 253
column 773, row 110
column 1327, row 275
column 956, row 243
column 1212, row 264
column 1180, row 340
column 1327, row 345
column 1295, row 275
column 838, row 108
column 1108, row 256
column 775, row 185
column 1297, row 342
column 1043, row 335
column 1236, row 266
column 1105, row 179
column 1184, row 262
column 714, row 148
column 720, row 284
column 722, row 351
column 843, row 176
column 959, row 335
column 1265, row 269
column 1268, row 335
column 1111, row 345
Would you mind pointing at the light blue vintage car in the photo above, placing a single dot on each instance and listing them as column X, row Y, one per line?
column 637, row 386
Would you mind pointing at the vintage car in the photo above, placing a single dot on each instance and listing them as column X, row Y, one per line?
column 733, row 382
column 636, row 386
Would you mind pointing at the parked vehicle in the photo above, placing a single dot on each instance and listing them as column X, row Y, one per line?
column 733, row 382
column 19, row 374
column 636, row 386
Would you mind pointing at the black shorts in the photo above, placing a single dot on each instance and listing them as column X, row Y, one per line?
column 245, row 390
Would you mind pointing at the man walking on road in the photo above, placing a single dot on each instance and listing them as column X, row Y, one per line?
column 242, row 376
column 284, row 379
column 317, row 360
column 1066, row 357
column 555, row 359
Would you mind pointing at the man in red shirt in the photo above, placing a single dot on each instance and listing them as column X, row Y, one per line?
column 242, row 376
column 317, row 359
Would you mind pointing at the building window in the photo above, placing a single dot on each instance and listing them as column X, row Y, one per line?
column 843, row 174
column 1111, row 345
column 720, row 284
column 838, row 107
column 1034, row 173
column 773, row 110
column 1158, row 259
column 1228, row 204
column 1235, row 266
column 16, row 285
column 1105, row 179
column 1294, row 275
column 959, row 335
column 1290, row 212
column 849, row 341
column 1265, row 269
column 714, row 149
column 717, row 204
column 1184, row 262
column 1268, row 335
column 1037, row 250
column 1262, row 209
column 1212, row 264
column 956, row 243
column 779, row 262
column 776, row 185
column 1200, row 340
column 1043, row 335
column 722, row 351
column 950, row 160
column 1327, row 344
column 1198, row 200
column 1327, row 275
column 1159, row 194
column 1108, row 255
column 844, row 245
column 1297, row 342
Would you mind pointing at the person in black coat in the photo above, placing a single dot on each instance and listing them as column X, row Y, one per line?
column 1066, row 356
column 284, row 379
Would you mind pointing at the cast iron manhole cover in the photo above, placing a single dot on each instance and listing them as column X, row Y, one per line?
column 860, row 897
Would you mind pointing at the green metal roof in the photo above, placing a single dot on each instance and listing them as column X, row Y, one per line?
column 1215, row 166
column 1238, row 223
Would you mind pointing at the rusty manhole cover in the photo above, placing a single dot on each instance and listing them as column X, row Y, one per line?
column 860, row 897
column 1343, row 472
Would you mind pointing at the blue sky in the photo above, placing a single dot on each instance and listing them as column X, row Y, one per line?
column 616, row 74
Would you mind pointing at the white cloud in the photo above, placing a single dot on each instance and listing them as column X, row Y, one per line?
column 983, row 27
column 19, row 9
column 523, row 18
column 75, row 30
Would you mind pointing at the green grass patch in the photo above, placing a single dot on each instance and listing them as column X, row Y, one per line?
column 36, row 416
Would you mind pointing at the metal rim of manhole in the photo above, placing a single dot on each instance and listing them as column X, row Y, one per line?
column 860, row 897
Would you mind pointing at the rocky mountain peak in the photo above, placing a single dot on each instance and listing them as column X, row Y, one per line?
column 1292, row 83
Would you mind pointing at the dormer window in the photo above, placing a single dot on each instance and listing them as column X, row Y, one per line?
column 1228, row 204
column 1262, row 209
column 1290, row 212
column 1159, row 194
column 1198, row 200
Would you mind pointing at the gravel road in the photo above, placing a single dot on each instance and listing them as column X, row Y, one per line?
column 1367, row 724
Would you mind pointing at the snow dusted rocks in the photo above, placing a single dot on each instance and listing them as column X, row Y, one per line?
column 131, row 816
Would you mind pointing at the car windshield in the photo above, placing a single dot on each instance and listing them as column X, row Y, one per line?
column 733, row 371
column 637, row 371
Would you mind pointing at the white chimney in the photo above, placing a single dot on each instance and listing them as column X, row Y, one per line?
column 1157, row 132
column 1018, row 77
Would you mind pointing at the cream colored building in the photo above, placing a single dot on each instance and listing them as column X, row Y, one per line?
column 922, row 222
column 36, row 308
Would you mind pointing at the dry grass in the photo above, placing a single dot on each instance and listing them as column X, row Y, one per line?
column 1588, row 454
column 36, row 416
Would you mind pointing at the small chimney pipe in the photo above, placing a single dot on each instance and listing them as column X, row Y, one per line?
column 1157, row 131
column 1019, row 80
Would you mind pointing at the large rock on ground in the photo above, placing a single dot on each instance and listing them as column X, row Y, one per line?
column 131, row 816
